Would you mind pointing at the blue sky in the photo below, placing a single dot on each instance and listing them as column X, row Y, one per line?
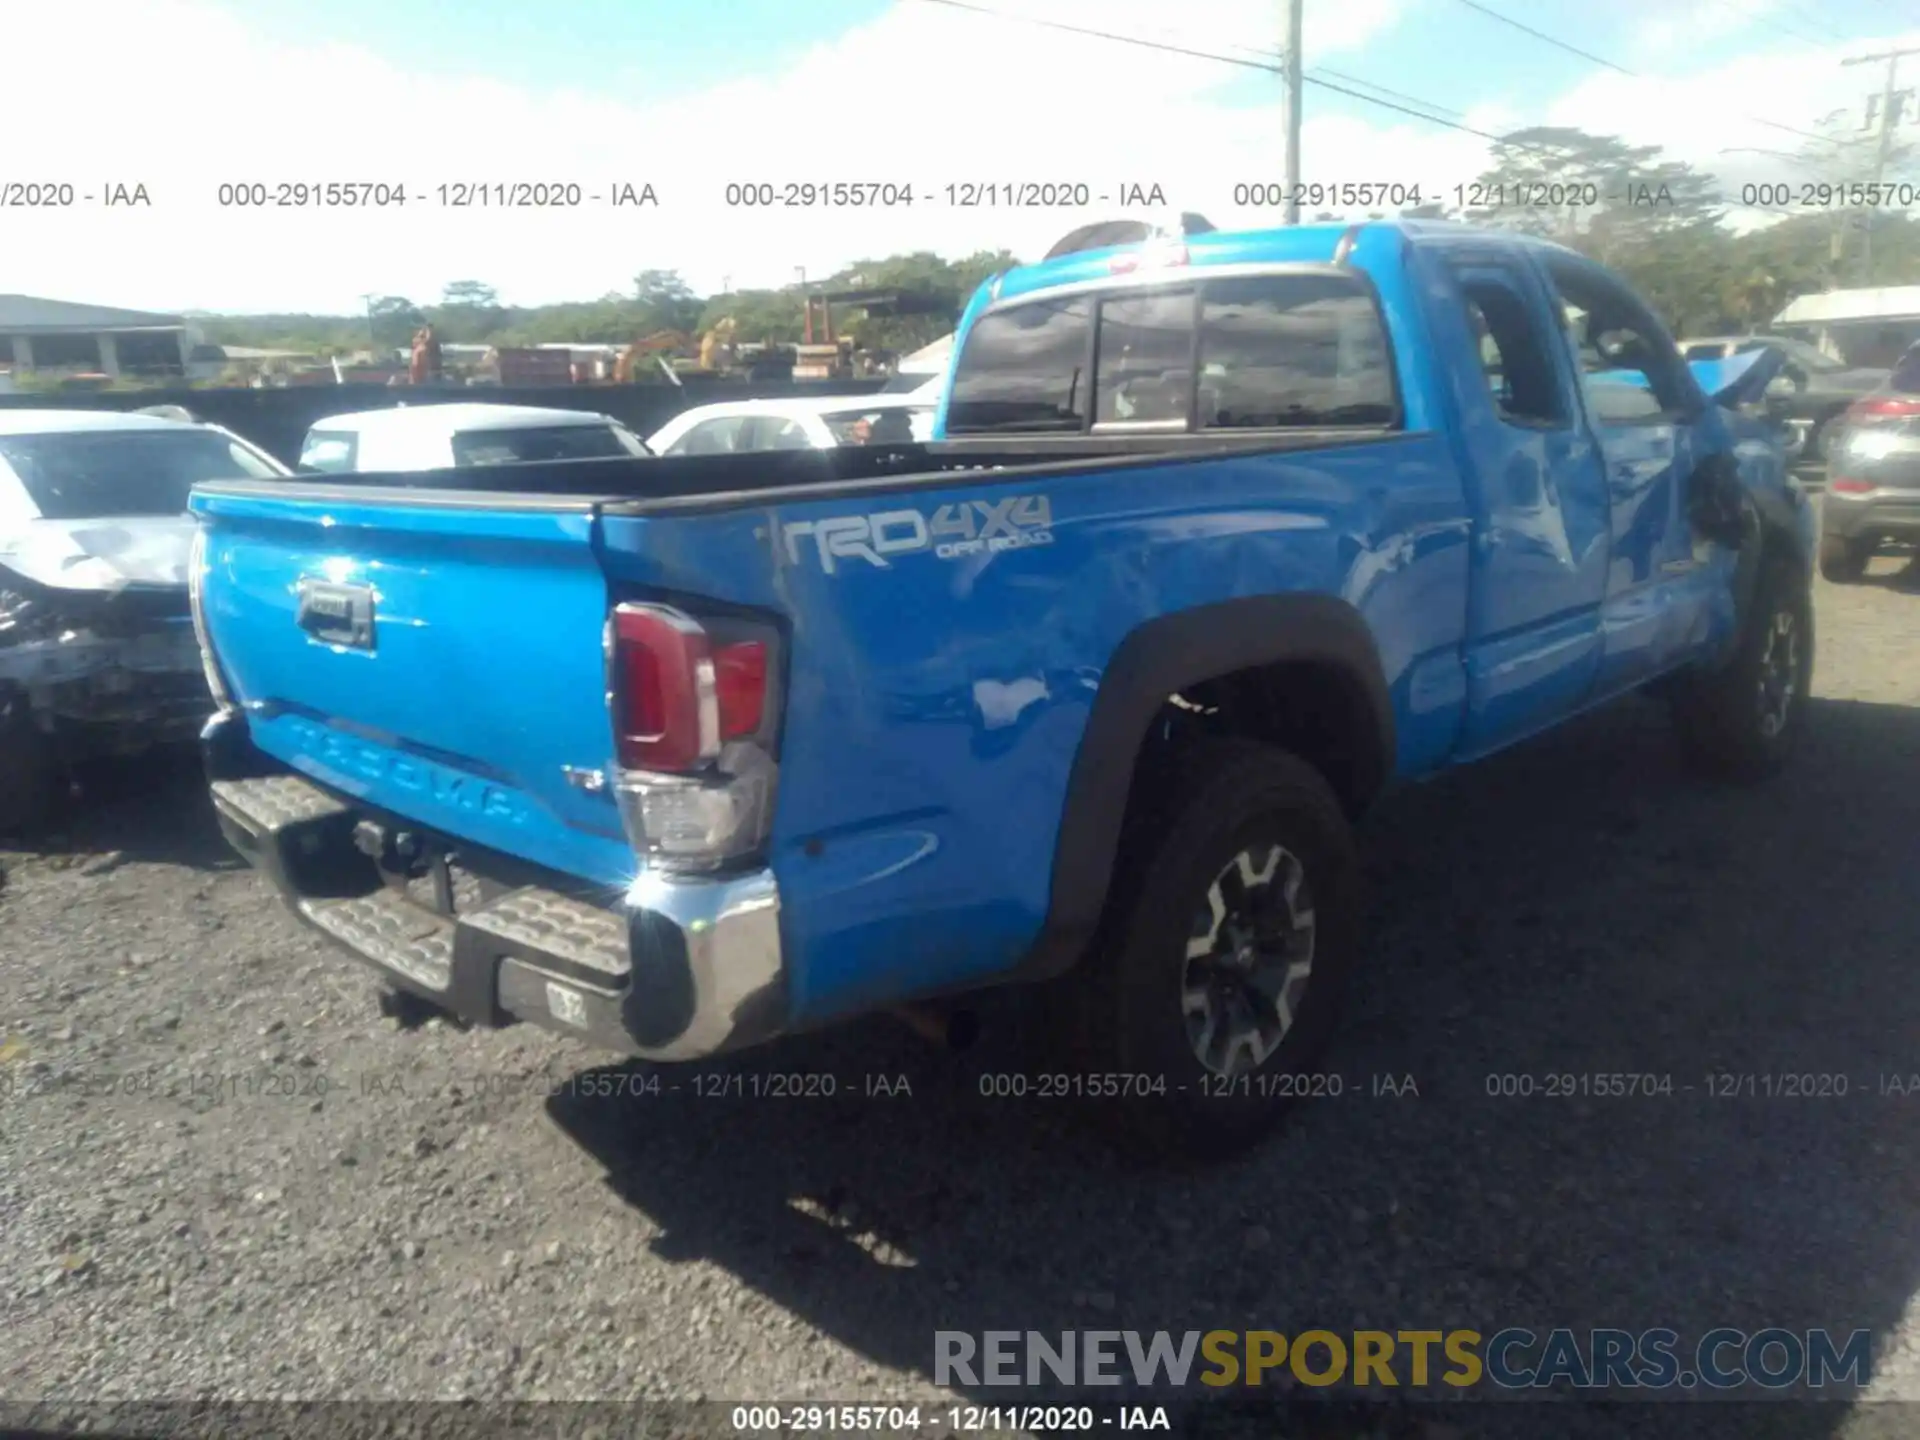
column 690, row 94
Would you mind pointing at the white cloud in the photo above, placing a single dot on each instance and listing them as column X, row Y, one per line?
column 1673, row 30
column 989, row 100
column 1739, row 120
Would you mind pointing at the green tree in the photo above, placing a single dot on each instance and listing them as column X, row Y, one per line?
column 468, row 312
column 392, row 319
column 663, row 302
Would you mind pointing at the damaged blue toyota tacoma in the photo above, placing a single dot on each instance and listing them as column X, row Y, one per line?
column 1216, row 539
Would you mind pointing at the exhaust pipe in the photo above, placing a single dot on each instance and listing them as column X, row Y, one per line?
column 955, row 1029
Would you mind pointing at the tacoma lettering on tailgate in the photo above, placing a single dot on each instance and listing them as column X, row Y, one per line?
column 972, row 527
column 408, row 772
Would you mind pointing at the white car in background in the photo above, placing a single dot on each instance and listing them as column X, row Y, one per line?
column 97, row 650
column 741, row 426
column 443, row 437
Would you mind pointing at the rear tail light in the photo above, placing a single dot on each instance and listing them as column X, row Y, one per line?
column 740, row 683
column 1883, row 407
column 1851, row 487
column 694, row 711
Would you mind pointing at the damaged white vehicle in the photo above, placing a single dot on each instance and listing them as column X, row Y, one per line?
column 97, row 650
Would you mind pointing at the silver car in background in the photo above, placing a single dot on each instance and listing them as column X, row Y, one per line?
column 97, row 651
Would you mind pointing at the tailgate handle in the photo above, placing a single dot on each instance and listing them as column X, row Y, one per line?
column 337, row 614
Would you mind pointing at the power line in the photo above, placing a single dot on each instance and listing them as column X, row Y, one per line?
column 1383, row 90
column 1543, row 36
column 1601, row 60
column 1140, row 40
column 1767, row 20
column 1270, row 67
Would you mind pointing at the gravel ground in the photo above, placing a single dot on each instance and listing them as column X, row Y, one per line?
column 224, row 1173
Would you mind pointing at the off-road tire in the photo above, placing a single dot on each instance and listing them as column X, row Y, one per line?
column 1124, row 1008
column 1843, row 561
column 1722, row 715
column 30, row 779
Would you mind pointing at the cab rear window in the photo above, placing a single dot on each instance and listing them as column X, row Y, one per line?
column 1282, row 351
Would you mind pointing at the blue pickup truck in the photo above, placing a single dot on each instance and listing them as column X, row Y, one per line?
column 1216, row 539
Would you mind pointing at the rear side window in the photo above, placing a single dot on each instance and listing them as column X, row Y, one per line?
column 1293, row 350
column 331, row 452
column 1024, row 369
column 558, row 442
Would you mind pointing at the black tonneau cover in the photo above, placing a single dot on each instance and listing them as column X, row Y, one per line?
column 719, row 481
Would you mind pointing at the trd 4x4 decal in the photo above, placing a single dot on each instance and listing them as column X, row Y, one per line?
column 971, row 527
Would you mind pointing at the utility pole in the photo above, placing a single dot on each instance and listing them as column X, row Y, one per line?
column 1889, row 108
column 373, row 340
column 1292, row 80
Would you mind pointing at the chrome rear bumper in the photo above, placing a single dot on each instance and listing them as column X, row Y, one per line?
column 676, row 969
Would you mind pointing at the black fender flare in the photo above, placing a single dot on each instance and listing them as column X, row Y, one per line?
column 1156, row 660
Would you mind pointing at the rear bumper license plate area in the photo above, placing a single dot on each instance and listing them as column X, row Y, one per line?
column 676, row 969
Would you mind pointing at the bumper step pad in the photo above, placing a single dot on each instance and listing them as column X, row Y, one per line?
column 590, row 939
column 390, row 931
column 292, row 829
column 678, row 969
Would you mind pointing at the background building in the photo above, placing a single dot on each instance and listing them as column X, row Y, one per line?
column 60, row 337
column 1861, row 327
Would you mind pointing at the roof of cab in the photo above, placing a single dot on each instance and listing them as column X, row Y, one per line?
column 1315, row 244
column 460, row 416
column 67, row 422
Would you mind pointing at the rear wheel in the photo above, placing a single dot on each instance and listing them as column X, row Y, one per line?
column 1843, row 561
column 1233, row 922
column 30, row 781
column 1740, row 722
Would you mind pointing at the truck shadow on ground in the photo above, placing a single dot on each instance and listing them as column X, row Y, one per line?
column 1579, row 907
column 148, row 807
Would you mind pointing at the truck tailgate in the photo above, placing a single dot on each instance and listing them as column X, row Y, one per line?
column 440, row 659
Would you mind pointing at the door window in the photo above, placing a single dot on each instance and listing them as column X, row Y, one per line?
column 1631, row 373
column 1514, row 351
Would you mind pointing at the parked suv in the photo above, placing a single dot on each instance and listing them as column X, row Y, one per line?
column 1873, row 475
